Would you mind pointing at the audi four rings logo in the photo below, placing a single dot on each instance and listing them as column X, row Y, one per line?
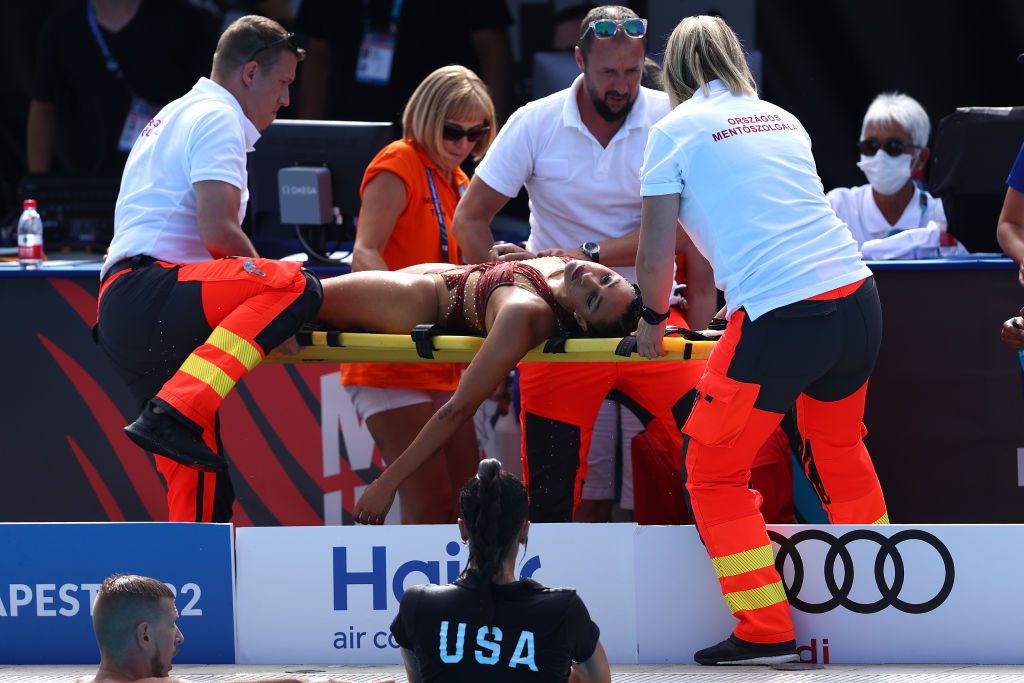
column 837, row 549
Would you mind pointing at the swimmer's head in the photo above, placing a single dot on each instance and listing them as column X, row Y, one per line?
column 134, row 621
column 603, row 302
column 494, row 507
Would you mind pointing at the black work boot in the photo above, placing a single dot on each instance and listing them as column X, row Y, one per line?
column 162, row 430
column 734, row 650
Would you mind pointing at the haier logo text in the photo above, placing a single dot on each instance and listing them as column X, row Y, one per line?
column 356, row 569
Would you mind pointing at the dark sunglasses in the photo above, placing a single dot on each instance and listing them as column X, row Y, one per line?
column 454, row 133
column 606, row 28
column 284, row 39
column 892, row 146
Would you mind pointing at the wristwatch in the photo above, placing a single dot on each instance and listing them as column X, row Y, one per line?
column 652, row 317
column 593, row 250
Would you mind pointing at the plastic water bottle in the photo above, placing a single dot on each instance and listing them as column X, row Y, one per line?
column 30, row 236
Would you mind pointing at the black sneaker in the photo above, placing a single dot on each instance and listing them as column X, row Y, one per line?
column 734, row 650
column 157, row 430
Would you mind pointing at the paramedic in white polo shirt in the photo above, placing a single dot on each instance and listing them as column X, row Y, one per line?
column 186, row 306
column 578, row 152
column 804, row 321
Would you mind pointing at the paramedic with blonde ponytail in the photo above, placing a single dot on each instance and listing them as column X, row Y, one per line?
column 804, row 320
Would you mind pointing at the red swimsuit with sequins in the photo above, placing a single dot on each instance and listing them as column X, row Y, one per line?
column 469, row 288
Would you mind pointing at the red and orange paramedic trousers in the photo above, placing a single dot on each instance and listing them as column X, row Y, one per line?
column 818, row 353
column 186, row 334
column 560, row 402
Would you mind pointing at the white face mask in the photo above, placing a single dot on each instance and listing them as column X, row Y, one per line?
column 887, row 174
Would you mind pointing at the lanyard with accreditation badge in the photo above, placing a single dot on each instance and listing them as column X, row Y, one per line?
column 140, row 112
column 440, row 216
column 377, row 51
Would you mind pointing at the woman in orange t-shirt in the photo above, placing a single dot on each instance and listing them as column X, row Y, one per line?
column 409, row 193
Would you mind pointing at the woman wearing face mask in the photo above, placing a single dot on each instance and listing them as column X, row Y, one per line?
column 891, row 217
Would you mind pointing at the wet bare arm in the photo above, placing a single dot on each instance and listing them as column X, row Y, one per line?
column 518, row 326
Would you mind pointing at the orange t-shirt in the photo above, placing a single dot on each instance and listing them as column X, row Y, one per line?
column 415, row 239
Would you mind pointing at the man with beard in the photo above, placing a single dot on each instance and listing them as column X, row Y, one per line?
column 578, row 152
column 134, row 619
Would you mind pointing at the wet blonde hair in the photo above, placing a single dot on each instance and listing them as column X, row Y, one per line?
column 702, row 49
column 451, row 92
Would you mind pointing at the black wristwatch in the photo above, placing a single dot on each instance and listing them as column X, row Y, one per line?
column 592, row 250
column 651, row 317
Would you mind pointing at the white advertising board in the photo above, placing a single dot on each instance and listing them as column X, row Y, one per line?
column 859, row 594
column 906, row 594
column 327, row 595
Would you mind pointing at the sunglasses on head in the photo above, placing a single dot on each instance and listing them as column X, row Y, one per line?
column 892, row 146
column 606, row 28
column 283, row 39
column 454, row 133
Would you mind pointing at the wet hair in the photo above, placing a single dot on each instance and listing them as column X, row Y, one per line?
column 123, row 601
column 254, row 38
column 702, row 49
column 613, row 12
column 451, row 92
column 903, row 110
column 494, row 505
column 624, row 324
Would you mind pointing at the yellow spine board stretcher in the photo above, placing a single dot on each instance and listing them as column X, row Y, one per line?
column 358, row 347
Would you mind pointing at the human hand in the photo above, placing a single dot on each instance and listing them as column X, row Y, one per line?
column 649, row 339
column 372, row 507
column 1012, row 333
column 289, row 347
column 576, row 253
column 506, row 251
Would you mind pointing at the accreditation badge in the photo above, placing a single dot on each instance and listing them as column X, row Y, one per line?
column 140, row 114
column 375, row 57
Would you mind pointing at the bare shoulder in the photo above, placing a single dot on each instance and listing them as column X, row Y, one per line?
column 513, row 306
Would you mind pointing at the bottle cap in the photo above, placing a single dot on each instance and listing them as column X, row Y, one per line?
column 30, row 204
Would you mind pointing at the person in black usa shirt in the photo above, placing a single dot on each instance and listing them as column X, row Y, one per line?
column 486, row 625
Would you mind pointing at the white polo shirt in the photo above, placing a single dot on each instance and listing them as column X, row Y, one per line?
column 856, row 207
column 203, row 135
column 579, row 191
column 752, row 200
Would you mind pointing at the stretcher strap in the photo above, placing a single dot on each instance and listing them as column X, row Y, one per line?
column 423, row 337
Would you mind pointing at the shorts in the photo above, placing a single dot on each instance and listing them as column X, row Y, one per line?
column 369, row 401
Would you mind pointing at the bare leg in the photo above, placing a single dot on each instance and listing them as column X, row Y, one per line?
column 379, row 301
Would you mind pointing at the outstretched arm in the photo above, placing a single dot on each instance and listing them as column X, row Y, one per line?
column 518, row 327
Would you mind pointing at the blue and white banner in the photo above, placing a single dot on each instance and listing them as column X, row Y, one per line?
column 859, row 594
column 329, row 594
column 50, row 573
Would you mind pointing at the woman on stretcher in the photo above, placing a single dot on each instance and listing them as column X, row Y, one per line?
column 517, row 304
